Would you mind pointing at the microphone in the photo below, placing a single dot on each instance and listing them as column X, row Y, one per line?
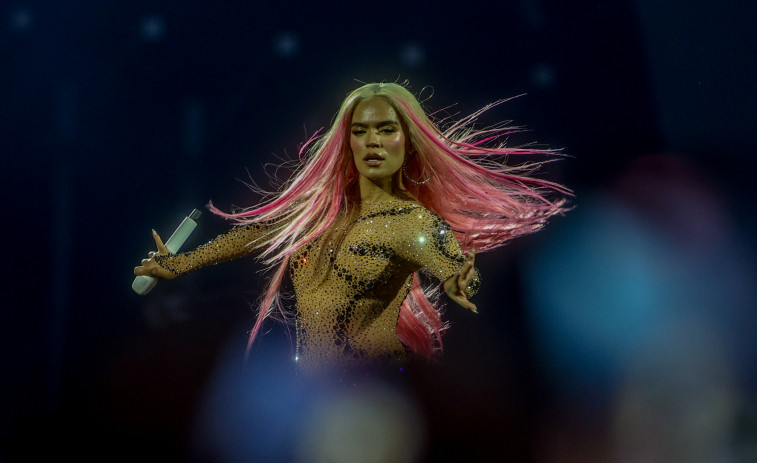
column 144, row 283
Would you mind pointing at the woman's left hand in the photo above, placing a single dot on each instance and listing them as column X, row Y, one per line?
column 455, row 285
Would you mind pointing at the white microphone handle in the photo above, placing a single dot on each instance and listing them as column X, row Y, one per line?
column 143, row 284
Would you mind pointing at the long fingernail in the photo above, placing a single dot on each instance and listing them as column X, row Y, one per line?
column 154, row 232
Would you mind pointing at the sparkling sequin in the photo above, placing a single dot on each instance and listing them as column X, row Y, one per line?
column 349, row 283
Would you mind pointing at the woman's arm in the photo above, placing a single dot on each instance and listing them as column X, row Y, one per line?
column 430, row 244
column 240, row 241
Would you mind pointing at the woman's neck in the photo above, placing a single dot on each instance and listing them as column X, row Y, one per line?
column 371, row 192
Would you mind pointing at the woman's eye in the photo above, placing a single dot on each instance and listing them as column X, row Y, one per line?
column 387, row 130
column 358, row 132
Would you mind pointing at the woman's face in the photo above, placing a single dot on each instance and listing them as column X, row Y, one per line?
column 377, row 140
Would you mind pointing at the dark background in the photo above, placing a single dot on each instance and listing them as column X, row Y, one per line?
column 621, row 331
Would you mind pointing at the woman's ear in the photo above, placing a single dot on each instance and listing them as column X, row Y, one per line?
column 410, row 152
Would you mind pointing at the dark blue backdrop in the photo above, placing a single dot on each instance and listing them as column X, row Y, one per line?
column 122, row 116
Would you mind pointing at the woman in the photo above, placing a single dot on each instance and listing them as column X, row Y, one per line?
column 380, row 197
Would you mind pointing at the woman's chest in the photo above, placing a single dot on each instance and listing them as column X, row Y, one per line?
column 360, row 255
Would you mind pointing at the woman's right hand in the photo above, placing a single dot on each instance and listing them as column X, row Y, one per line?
column 151, row 268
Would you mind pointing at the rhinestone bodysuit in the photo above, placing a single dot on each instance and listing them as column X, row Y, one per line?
column 349, row 283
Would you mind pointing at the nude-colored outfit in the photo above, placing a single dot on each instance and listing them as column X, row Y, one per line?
column 349, row 283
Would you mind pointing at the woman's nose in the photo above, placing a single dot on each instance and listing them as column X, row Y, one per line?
column 373, row 139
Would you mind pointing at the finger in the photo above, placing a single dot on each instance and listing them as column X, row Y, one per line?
column 466, row 304
column 159, row 243
column 151, row 254
column 470, row 259
column 466, row 266
column 462, row 283
column 472, row 255
column 468, row 273
column 142, row 270
column 464, row 273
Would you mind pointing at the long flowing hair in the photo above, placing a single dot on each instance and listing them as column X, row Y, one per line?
column 485, row 201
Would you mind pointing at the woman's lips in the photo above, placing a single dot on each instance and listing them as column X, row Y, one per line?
column 373, row 160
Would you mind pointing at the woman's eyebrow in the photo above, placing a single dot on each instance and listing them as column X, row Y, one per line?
column 379, row 124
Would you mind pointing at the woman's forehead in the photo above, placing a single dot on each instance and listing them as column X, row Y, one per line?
column 373, row 110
